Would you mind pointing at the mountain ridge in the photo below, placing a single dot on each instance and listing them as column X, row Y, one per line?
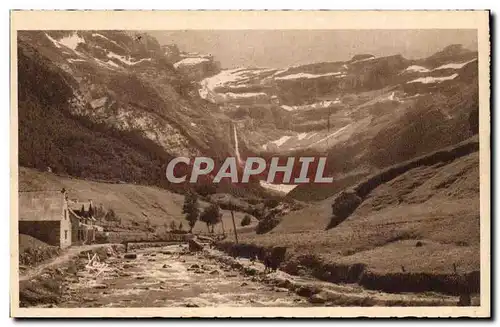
column 154, row 102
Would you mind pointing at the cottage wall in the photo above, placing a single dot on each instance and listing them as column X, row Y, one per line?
column 40, row 205
column 76, row 235
column 44, row 215
column 65, row 226
column 47, row 231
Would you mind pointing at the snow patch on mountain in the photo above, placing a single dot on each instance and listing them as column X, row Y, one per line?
column 233, row 79
column 454, row 65
column 283, row 188
column 288, row 108
column 282, row 140
column 301, row 136
column 125, row 60
column 57, row 45
column 364, row 59
column 190, row 62
column 430, row 79
column 421, row 69
column 230, row 95
column 307, row 75
column 72, row 41
column 317, row 105
column 71, row 60
column 337, row 132
column 107, row 64
column 100, row 35
column 418, row 69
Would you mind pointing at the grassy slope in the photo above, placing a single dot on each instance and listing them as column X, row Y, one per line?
column 129, row 201
column 437, row 205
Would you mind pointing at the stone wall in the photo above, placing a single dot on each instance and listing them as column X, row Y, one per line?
column 46, row 231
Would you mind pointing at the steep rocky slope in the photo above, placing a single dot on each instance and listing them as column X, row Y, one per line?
column 364, row 114
column 118, row 105
column 109, row 105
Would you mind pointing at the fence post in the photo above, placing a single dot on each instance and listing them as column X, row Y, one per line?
column 234, row 227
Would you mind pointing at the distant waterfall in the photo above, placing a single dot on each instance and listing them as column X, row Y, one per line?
column 236, row 145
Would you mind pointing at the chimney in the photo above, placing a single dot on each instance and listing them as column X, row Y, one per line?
column 65, row 194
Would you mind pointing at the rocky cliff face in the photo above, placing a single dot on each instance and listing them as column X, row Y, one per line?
column 124, row 85
column 322, row 104
column 365, row 113
column 129, row 83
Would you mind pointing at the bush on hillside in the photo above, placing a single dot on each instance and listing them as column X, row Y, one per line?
column 267, row 224
column 247, row 220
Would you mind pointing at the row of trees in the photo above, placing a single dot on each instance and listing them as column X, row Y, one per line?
column 211, row 215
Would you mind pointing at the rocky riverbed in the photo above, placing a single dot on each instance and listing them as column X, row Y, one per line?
column 171, row 276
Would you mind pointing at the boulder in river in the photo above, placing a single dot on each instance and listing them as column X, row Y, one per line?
column 280, row 289
column 307, row 290
column 283, row 282
column 251, row 271
column 318, row 298
column 195, row 246
column 100, row 286
column 130, row 256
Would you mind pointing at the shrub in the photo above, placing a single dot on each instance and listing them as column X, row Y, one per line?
column 272, row 202
column 267, row 224
column 101, row 238
column 246, row 220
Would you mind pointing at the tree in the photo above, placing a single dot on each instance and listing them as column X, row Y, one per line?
column 100, row 212
column 246, row 220
column 191, row 209
column 91, row 211
column 181, row 226
column 211, row 216
column 110, row 215
column 173, row 226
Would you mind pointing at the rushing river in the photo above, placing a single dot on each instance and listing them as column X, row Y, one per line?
column 163, row 277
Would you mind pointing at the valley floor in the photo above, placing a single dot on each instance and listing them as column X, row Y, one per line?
column 417, row 232
column 422, row 224
column 171, row 276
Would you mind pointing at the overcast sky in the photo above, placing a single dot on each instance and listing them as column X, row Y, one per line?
column 283, row 48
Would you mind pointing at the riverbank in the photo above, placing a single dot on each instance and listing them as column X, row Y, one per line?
column 446, row 286
column 171, row 276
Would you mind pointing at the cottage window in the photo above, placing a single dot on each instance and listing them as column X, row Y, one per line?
column 65, row 214
column 66, row 234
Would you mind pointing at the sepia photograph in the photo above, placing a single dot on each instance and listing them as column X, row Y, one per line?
column 269, row 168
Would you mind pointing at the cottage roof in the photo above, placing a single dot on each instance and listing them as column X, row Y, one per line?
column 41, row 205
column 77, row 205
